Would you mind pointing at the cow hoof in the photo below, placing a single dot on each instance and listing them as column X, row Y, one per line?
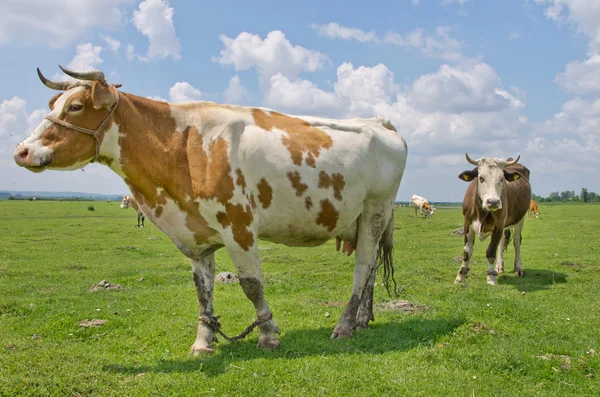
column 268, row 342
column 519, row 272
column 340, row 333
column 491, row 280
column 500, row 269
column 459, row 280
column 200, row 350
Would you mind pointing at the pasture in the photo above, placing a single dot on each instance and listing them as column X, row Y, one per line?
column 532, row 336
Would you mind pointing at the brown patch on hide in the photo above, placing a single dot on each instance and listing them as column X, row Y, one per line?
column 240, row 181
column 265, row 193
column 301, row 138
column 239, row 218
column 328, row 216
column 335, row 180
column 296, row 181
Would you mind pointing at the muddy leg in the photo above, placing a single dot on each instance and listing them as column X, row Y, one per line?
column 365, row 309
column 252, row 282
column 517, row 243
column 204, row 274
column 371, row 225
column 499, row 255
column 491, row 253
column 469, row 239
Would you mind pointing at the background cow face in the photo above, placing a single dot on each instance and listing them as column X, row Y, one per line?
column 491, row 177
column 125, row 202
column 54, row 146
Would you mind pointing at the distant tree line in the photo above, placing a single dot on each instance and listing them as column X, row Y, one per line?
column 569, row 196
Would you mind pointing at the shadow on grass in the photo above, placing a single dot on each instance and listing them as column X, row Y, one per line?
column 298, row 344
column 533, row 280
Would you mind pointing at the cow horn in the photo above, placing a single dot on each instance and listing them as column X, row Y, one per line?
column 509, row 163
column 93, row 75
column 470, row 160
column 61, row 85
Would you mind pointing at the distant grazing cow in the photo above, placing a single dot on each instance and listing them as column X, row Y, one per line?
column 496, row 201
column 421, row 205
column 130, row 201
column 533, row 208
column 212, row 176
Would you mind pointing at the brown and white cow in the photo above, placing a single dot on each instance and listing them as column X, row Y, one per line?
column 533, row 209
column 495, row 201
column 212, row 176
column 130, row 201
column 421, row 205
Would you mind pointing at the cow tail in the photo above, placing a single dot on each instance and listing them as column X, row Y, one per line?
column 506, row 239
column 385, row 257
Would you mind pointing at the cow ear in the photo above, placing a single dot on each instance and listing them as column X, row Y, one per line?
column 468, row 176
column 53, row 99
column 102, row 97
column 511, row 176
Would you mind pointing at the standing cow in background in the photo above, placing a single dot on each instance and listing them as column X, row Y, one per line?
column 130, row 201
column 212, row 176
column 496, row 201
column 533, row 208
column 421, row 205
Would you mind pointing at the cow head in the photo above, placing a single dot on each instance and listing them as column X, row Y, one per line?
column 125, row 202
column 491, row 177
column 70, row 135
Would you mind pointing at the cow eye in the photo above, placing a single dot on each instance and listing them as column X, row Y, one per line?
column 75, row 107
column 481, row 180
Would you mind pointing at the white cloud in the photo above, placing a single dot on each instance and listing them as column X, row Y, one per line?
column 459, row 89
column 335, row 31
column 581, row 78
column 57, row 22
column 440, row 45
column 235, row 91
column 184, row 92
column 300, row 96
column 369, row 84
column 130, row 52
column 113, row 44
column 514, row 35
column 273, row 55
column 154, row 19
column 87, row 57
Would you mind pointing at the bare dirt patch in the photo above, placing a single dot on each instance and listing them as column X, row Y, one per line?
column 227, row 278
column 401, row 306
column 95, row 322
column 104, row 285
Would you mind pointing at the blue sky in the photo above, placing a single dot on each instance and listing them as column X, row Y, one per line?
column 494, row 78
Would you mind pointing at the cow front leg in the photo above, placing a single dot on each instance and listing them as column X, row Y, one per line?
column 204, row 275
column 469, row 239
column 371, row 225
column 490, row 254
column 517, row 238
column 247, row 264
column 143, row 217
column 499, row 254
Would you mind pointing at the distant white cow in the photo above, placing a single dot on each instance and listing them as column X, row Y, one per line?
column 422, row 205
column 130, row 201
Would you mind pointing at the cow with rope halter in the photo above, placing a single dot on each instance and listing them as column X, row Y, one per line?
column 212, row 176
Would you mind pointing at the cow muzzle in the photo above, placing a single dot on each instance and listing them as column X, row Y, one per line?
column 27, row 157
column 492, row 204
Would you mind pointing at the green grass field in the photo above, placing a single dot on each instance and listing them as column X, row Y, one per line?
column 533, row 336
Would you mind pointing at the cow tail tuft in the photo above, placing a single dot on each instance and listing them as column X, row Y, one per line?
column 385, row 257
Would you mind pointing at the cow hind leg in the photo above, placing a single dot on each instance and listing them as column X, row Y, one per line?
column 247, row 264
column 204, row 274
column 371, row 225
column 469, row 239
column 517, row 244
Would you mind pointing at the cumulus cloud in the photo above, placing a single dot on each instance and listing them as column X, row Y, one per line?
column 154, row 19
column 113, row 44
column 440, row 45
column 273, row 55
column 184, row 92
column 235, row 91
column 15, row 123
column 87, row 57
column 581, row 78
column 584, row 14
column 336, row 31
column 27, row 21
column 300, row 96
column 457, row 89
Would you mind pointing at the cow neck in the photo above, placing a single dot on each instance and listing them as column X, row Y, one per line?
column 151, row 150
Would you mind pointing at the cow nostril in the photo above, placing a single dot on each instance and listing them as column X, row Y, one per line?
column 23, row 153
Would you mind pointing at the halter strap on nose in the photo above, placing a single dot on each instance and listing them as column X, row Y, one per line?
column 95, row 133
